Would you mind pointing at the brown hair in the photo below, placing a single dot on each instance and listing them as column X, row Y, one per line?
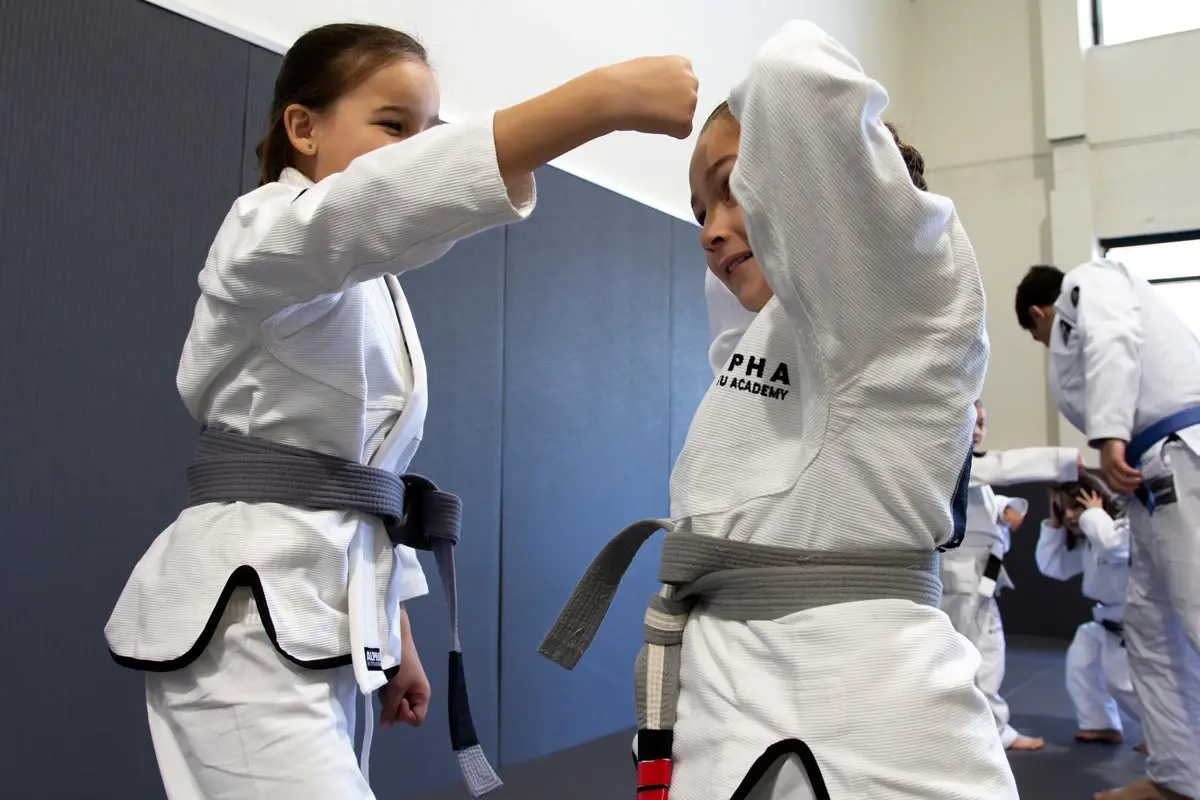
column 319, row 68
column 912, row 156
column 1071, row 492
column 912, row 159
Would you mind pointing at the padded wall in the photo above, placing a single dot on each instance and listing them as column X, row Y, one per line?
column 122, row 131
column 586, row 447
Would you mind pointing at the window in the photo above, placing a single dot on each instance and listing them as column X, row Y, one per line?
column 1118, row 21
column 1171, row 263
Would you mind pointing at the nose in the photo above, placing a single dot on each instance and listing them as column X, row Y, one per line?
column 716, row 230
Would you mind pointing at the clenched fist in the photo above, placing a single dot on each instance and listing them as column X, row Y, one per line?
column 653, row 95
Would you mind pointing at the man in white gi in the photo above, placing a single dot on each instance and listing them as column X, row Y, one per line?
column 1125, row 370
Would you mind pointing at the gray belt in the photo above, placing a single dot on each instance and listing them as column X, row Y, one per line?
column 229, row 467
column 730, row 580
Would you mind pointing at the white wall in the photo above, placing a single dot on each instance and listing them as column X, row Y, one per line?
column 492, row 54
column 977, row 118
column 1048, row 145
column 1143, row 122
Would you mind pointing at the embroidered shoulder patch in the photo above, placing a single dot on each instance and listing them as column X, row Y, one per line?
column 1075, row 296
column 1066, row 329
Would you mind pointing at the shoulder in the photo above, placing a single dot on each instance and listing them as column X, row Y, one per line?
column 266, row 199
column 1076, row 281
column 251, row 214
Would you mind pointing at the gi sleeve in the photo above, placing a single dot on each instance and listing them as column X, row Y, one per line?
column 1054, row 560
column 876, row 275
column 727, row 321
column 392, row 210
column 1109, row 537
column 1017, row 504
column 1025, row 465
column 1106, row 320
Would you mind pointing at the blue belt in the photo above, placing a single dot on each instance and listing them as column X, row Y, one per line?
column 1153, row 434
column 1159, row 431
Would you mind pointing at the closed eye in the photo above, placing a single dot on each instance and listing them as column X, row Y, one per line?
column 395, row 127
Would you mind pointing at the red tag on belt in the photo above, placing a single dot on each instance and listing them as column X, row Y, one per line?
column 653, row 779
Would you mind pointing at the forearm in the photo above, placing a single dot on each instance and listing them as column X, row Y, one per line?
column 540, row 130
column 406, row 640
column 1006, row 467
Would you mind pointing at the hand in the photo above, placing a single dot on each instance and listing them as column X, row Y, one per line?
column 1012, row 518
column 405, row 698
column 1089, row 499
column 653, row 95
column 1120, row 476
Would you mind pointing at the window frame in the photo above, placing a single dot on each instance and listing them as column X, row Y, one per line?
column 1152, row 239
column 1098, row 27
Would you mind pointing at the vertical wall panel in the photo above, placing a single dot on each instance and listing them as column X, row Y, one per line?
column 260, row 84
column 586, row 447
column 458, row 304
column 122, row 130
column 690, row 373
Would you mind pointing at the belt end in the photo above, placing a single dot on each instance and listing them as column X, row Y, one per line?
column 477, row 773
column 564, row 655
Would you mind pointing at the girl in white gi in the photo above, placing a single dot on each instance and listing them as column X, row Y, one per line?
column 973, row 573
column 245, row 615
column 1125, row 370
column 1083, row 538
column 870, row 316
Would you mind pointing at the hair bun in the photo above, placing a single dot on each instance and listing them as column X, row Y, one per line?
column 913, row 159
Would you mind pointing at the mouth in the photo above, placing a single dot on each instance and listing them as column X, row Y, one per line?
column 730, row 263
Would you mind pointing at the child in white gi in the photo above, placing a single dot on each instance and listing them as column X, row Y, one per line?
column 256, row 621
column 827, row 431
column 1082, row 537
column 973, row 573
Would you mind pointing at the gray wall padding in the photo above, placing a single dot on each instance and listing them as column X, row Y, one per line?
column 458, row 304
column 122, row 130
column 690, row 374
column 586, row 447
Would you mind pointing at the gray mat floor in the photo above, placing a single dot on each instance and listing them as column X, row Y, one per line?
column 1064, row 770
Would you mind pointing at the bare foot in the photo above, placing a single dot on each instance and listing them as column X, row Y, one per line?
column 1027, row 743
column 1104, row 736
column 1141, row 748
column 1140, row 790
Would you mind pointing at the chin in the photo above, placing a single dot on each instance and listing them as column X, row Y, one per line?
column 754, row 299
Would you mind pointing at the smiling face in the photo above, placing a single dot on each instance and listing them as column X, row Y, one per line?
column 722, row 231
column 397, row 101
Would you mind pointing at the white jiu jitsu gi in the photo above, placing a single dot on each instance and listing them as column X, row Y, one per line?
column 968, row 595
column 727, row 321
column 841, row 422
column 1098, row 677
column 1120, row 361
column 302, row 336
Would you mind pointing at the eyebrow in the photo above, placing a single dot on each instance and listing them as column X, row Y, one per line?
column 393, row 108
column 713, row 167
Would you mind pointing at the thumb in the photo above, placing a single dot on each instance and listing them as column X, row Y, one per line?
column 389, row 710
column 406, row 713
